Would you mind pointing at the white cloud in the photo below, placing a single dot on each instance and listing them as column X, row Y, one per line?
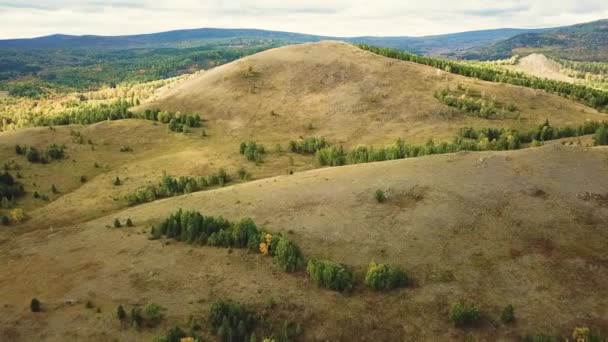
column 28, row 18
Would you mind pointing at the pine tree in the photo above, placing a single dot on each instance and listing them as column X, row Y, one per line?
column 35, row 305
column 129, row 223
column 54, row 189
column 117, row 181
column 117, row 223
column 121, row 313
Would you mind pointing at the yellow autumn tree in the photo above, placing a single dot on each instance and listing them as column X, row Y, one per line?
column 17, row 215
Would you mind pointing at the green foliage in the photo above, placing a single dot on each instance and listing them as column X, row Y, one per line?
column 231, row 321
column 35, row 305
column 385, row 277
column 601, row 136
column 380, row 196
column 330, row 275
column 33, row 155
column 170, row 186
column 287, row 255
column 483, row 107
column 508, row 314
column 177, row 121
column 153, row 314
column 117, row 181
column 121, row 313
column 117, row 223
column 137, row 319
column 308, row 145
column 464, row 314
column 129, row 223
column 252, row 150
column 331, row 156
column 86, row 114
column 589, row 96
column 174, row 334
column 9, row 187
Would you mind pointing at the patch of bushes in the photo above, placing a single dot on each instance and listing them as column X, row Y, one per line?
column 331, row 156
column 308, row 145
column 252, row 150
column 34, row 155
column 385, row 277
column 483, row 107
column 231, row 321
column 178, row 122
column 330, row 275
column 171, row 186
column 464, row 314
column 126, row 149
column 287, row 255
column 10, row 189
column 600, row 137
column 175, row 334
column 151, row 315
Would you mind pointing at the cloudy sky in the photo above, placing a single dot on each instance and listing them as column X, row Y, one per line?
column 30, row 18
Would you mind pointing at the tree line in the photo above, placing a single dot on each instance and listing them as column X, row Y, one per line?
column 178, row 122
column 467, row 139
column 89, row 113
column 308, row 145
column 591, row 97
column 170, row 186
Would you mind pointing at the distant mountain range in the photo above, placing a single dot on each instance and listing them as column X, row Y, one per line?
column 432, row 45
column 588, row 41
column 585, row 42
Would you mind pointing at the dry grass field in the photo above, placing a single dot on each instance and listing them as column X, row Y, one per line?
column 523, row 227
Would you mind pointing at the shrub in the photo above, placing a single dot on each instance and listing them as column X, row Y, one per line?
column 287, row 255
column 385, row 277
column 252, row 150
column 231, row 321
column 129, row 223
column 54, row 189
column 308, row 145
column 380, row 196
column 175, row 334
column 153, row 314
column 5, row 220
column 508, row 314
column 117, row 181
column 330, row 275
column 136, row 317
column 83, row 179
column 121, row 313
column 601, row 136
column 331, row 156
column 17, row 215
column 464, row 314
column 89, row 305
column 117, row 223
column 35, row 305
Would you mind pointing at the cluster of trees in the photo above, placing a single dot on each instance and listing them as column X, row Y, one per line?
column 89, row 113
column 174, row 186
column 467, row 139
column 331, row 275
column 309, row 145
column 331, row 156
column 34, row 155
column 10, row 189
column 483, row 107
column 178, row 122
column 385, row 277
column 252, row 150
column 193, row 227
column 595, row 98
column 231, row 321
column 464, row 314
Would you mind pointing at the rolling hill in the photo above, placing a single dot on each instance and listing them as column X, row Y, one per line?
column 496, row 228
column 465, row 226
column 583, row 42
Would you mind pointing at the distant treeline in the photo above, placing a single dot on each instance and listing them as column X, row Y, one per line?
column 591, row 97
column 89, row 114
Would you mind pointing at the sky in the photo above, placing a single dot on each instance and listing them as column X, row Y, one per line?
column 32, row 18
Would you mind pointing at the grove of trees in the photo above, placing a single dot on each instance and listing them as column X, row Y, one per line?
column 331, row 275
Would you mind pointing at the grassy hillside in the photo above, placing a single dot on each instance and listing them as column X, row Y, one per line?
column 464, row 226
column 582, row 42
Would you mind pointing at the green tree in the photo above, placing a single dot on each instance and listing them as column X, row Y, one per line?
column 121, row 313
column 508, row 314
column 35, row 305
column 601, row 136
column 117, row 223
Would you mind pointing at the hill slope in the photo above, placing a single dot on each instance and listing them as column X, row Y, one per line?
column 585, row 42
column 465, row 226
